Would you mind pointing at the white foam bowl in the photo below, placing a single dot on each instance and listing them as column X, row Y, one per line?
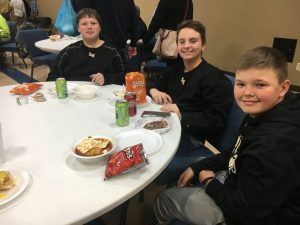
column 85, row 91
column 97, row 158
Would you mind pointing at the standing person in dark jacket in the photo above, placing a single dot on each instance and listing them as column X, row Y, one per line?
column 168, row 15
column 195, row 90
column 119, row 23
column 262, row 186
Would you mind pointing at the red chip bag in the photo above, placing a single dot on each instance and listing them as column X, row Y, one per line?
column 25, row 88
column 126, row 160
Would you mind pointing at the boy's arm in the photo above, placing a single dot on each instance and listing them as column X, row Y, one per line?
column 250, row 193
column 215, row 163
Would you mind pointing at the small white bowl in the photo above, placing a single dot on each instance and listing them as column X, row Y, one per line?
column 97, row 158
column 85, row 91
column 55, row 37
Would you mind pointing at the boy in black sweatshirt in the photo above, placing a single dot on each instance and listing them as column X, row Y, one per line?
column 262, row 186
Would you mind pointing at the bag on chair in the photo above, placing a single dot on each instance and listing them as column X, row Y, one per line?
column 165, row 45
column 66, row 19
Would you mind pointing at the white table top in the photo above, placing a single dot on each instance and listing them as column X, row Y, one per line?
column 55, row 46
column 38, row 137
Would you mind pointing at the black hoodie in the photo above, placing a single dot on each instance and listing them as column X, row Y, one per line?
column 263, row 184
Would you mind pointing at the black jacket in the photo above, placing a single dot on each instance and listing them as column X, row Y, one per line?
column 263, row 185
column 204, row 100
column 119, row 20
column 168, row 15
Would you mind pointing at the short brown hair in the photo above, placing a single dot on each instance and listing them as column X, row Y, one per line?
column 88, row 12
column 264, row 57
column 195, row 25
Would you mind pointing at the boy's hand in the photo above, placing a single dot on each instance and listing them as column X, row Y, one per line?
column 98, row 78
column 171, row 108
column 204, row 174
column 160, row 97
column 185, row 178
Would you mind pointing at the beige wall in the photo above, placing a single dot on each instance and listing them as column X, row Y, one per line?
column 233, row 26
column 48, row 8
column 237, row 25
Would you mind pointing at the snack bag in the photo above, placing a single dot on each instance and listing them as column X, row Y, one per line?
column 25, row 88
column 135, row 82
column 125, row 161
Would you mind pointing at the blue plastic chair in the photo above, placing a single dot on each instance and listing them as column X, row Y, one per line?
column 224, row 141
column 37, row 56
column 11, row 46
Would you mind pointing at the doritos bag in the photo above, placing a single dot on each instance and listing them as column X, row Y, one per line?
column 127, row 160
column 25, row 88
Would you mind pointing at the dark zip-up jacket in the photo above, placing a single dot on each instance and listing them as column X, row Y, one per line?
column 168, row 15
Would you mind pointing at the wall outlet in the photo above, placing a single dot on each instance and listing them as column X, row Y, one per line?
column 298, row 66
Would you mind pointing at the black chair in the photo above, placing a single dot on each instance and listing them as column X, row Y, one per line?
column 11, row 46
column 37, row 56
column 154, row 66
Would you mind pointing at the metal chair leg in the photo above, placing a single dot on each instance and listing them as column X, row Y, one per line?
column 31, row 75
column 123, row 216
column 24, row 63
column 22, row 59
column 142, row 196
column 13, row 58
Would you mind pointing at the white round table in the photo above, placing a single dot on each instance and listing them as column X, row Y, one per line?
column 55, row 46
column 38, row 137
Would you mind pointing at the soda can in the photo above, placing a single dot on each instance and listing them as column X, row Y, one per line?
column 122, row 117
column 61, row 88
column 130, row 97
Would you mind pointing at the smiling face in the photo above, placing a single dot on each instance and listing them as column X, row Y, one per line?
column 258, row 90
column 190, row 45
column 89, row 28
